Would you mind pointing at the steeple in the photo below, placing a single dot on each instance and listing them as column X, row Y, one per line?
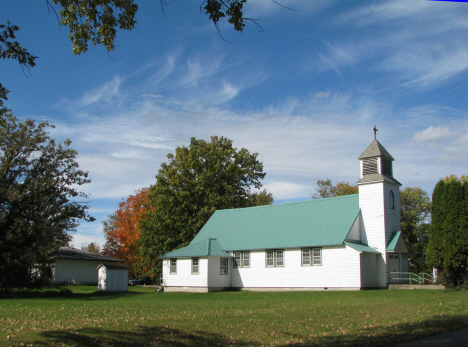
column 376, row 163
column 379, row 201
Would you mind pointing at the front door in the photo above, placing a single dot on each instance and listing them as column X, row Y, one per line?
column 394, row 266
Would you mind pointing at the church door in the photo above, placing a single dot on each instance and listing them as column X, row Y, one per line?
column 394, row 266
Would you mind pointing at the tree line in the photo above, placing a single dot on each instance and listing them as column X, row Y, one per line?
column 40, row 204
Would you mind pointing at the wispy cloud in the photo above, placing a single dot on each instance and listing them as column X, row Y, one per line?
column 101, row 94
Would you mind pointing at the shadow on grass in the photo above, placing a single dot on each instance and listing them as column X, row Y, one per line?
column 141, row 336
column 66, row 293
column 387, row 336
column 165, row 336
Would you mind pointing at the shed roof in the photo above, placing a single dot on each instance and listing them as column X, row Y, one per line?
column 78, row 254
column 321, row 222
column 208, row 247
column 113, row 266
column 360, row 247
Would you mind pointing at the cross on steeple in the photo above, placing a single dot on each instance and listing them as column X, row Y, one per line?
column 375, row 132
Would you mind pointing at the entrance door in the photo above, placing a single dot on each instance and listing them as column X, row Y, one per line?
column 394, row 266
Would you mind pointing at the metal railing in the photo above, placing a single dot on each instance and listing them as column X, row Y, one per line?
column 411, row 278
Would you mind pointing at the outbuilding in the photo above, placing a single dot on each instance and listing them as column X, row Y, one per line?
column 113, row 277
column 78, row 266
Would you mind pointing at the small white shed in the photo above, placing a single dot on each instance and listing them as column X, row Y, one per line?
column 113, row 277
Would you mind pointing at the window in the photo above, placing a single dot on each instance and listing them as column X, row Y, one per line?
column 391, row 197
column 224, row 266
column 317, row 256
column 173, row 266
column 241, row 259
column 195, row 266
column 306, row 257
column 237, row 259
column 245, row 259
column 274, row 258
column 311, row 256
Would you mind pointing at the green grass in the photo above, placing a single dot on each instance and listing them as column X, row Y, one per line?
column 142, row 317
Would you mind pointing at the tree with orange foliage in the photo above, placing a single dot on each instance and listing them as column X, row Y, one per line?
column 122, row 229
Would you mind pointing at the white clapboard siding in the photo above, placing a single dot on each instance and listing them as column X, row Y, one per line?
column 215, row 279
column 340, row 269
column 355, row 232
column 392, row 216
column 184, row 276
column 372, row 204
column 369, row 270
column 82, row 271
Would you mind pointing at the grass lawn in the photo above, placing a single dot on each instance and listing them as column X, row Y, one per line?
column 142, row 317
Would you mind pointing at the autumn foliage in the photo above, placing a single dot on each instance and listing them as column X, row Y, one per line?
column 123, row 229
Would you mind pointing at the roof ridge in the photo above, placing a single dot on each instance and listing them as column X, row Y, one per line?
column 289, row 203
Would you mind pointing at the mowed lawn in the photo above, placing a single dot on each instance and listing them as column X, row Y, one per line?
column 142, row 317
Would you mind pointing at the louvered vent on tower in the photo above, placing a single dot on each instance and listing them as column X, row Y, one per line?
column 387, row 167
column 369, row 166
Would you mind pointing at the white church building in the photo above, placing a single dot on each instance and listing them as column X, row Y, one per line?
column 349, row 242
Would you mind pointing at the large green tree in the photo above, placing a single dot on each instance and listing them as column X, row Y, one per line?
column 97, row 22
column 39, row 203
column 190, row 187
column 448, row 240
column 415, row 214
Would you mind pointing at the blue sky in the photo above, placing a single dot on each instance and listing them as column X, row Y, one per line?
column 304, row 93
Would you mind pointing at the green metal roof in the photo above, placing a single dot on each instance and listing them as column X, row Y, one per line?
column 321, row 222
column 375, row 149
column 361, row 247
column 394, row 241
column 204, row 248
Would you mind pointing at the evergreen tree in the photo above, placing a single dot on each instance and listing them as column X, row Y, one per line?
column 448, row 242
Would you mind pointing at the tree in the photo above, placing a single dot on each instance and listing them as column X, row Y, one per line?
column 97, row 21
column 194, row 183
column 122, row 229
column 448, row 239
column 325, row 189
column 261, row 198
column 415, row 213
column 39, row 203
column 92, row 248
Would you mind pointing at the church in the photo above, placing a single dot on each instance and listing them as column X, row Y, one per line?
column 349, row 242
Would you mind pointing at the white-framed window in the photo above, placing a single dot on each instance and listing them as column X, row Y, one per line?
column 195, row 265
column 245, row 259
column 306, row 257
column 223, row 269
column 274, row 257
column 241, row 259
column 316, row 256
column 270, row 258
column 311, row 256
column 173, row 267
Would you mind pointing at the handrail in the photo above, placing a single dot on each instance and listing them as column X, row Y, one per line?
column 411, row 277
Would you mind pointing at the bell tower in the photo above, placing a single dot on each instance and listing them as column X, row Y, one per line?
column 379, row 200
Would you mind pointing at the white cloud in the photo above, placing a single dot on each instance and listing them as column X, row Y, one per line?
column 105, row 92
column 433, row 134
column 286, row 190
